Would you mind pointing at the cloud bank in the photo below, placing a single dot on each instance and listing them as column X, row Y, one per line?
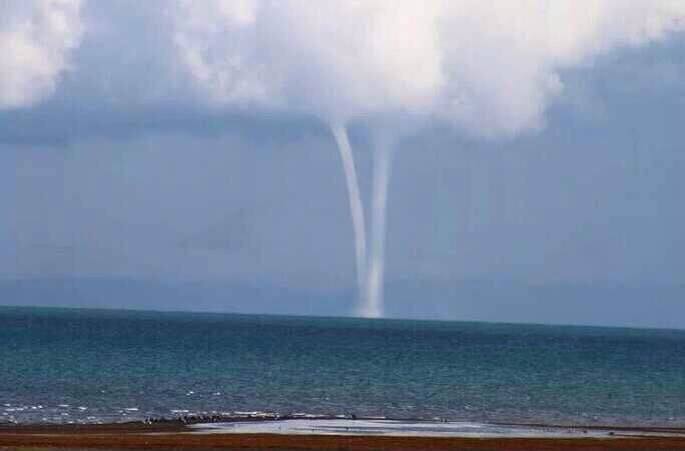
column 36, row 38
column 489, row 68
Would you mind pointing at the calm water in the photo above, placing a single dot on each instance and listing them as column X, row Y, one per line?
column 59, row 365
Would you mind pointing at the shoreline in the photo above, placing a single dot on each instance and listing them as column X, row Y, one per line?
column 185, row 422
column 175, row 434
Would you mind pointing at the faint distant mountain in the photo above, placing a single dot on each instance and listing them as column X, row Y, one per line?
column 477, row 300
column 641, row 305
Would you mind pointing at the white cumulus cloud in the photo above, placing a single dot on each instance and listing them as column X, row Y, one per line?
column 490, row 68
column 36, row 38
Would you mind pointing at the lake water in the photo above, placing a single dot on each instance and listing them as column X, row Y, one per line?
column 73, row 365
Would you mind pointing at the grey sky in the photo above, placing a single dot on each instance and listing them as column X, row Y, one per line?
column 137, row 184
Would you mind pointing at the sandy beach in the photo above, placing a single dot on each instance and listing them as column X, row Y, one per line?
column 178, row 436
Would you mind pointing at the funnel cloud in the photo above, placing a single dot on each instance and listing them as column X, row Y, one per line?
column 487, row 68
column 356, row 205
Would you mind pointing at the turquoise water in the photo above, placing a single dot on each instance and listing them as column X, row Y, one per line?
column 66, row 365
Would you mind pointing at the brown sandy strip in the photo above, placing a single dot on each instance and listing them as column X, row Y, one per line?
column 168, row 436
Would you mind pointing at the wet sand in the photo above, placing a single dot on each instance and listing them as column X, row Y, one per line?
column 178, row 436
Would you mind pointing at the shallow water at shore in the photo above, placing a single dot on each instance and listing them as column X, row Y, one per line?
column 395, row 428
